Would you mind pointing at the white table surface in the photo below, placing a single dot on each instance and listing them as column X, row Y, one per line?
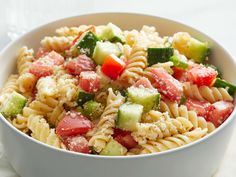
column 216, row 18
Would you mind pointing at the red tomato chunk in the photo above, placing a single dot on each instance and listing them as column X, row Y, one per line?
column 201, row 107
column 72, row 124
column 41, row 53
column 77, row 144
column 124, row 138
column 113, row 66
column 201, row 75
column 167, row 85
column 144, row 82
column 180, row 74
column 89, row 81
column 219, row 112
column 44, row 66
column 80, row 64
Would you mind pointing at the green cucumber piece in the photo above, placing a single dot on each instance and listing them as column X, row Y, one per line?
column 13, row 105
column 87, row 43
column 103, row 49
column 112, row 33
column 178, row 62
column 159, row 55
column 183, row 100
column 197, row 50
column 92, row 109
column 84, row 97
column 148, row 98
column 224, row 84
column 129, row 115
column 113, row 148
column 123, row 93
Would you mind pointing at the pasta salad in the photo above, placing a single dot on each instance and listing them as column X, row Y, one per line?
column 101, row 90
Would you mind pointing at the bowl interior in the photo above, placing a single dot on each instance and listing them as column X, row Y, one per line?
column 128, row 21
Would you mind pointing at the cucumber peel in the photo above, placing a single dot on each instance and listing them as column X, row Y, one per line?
column 129, row 115
column 13, row 105
column 113, row 148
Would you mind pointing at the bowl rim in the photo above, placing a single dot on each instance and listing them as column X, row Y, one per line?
column 157, row 154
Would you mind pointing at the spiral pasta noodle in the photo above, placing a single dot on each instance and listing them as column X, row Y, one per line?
column 24, row 60
column 67, row 31
column 9, row 87
column 137, row 61
column 211, row 94
column 58, row 44
column 71, row 31
column 42, row 132
column 26, row 80
column 173, row 142
column 181, row 111
column 107, row 121
column 20, row 122
column 164, row 127
column 146, row 37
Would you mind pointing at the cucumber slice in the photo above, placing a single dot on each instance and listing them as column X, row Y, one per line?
column 148, row 98
column 224, row 84
column 159, row 55
column 87, row 43
column 112, row 33
column 198, row 51
column 129, row 115
column 92, row 109
column 103, row 49
column 113, row 148
column 182, row 100
column 84, row 97
column 178, row 62
column 13, row 105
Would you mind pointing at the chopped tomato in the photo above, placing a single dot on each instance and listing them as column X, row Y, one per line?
column 144, row 82
column 44, row 66
column 113, row 66
column 73, row 123
column 201, row 75
column 77, row 144
column 201, row 107
column 220, row 111
column 55, row 57
column 124, row 138
column 179, row 74
column 89, row 81
column 80, row 64
column 41, row 52
column 41, row 68
column 91, row 28
column 167, row 85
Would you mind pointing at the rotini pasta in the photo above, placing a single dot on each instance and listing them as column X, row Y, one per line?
column 137, row 61
column 42, row 132
column 163, row 127
column 211, row 94
column 173, row 142
column 107, row 122
column 58, row 44
column 9, row 87
column 176, row 111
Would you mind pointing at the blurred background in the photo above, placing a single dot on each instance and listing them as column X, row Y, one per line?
column 216, row 18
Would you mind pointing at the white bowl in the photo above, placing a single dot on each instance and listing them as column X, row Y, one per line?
column 31, row 158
